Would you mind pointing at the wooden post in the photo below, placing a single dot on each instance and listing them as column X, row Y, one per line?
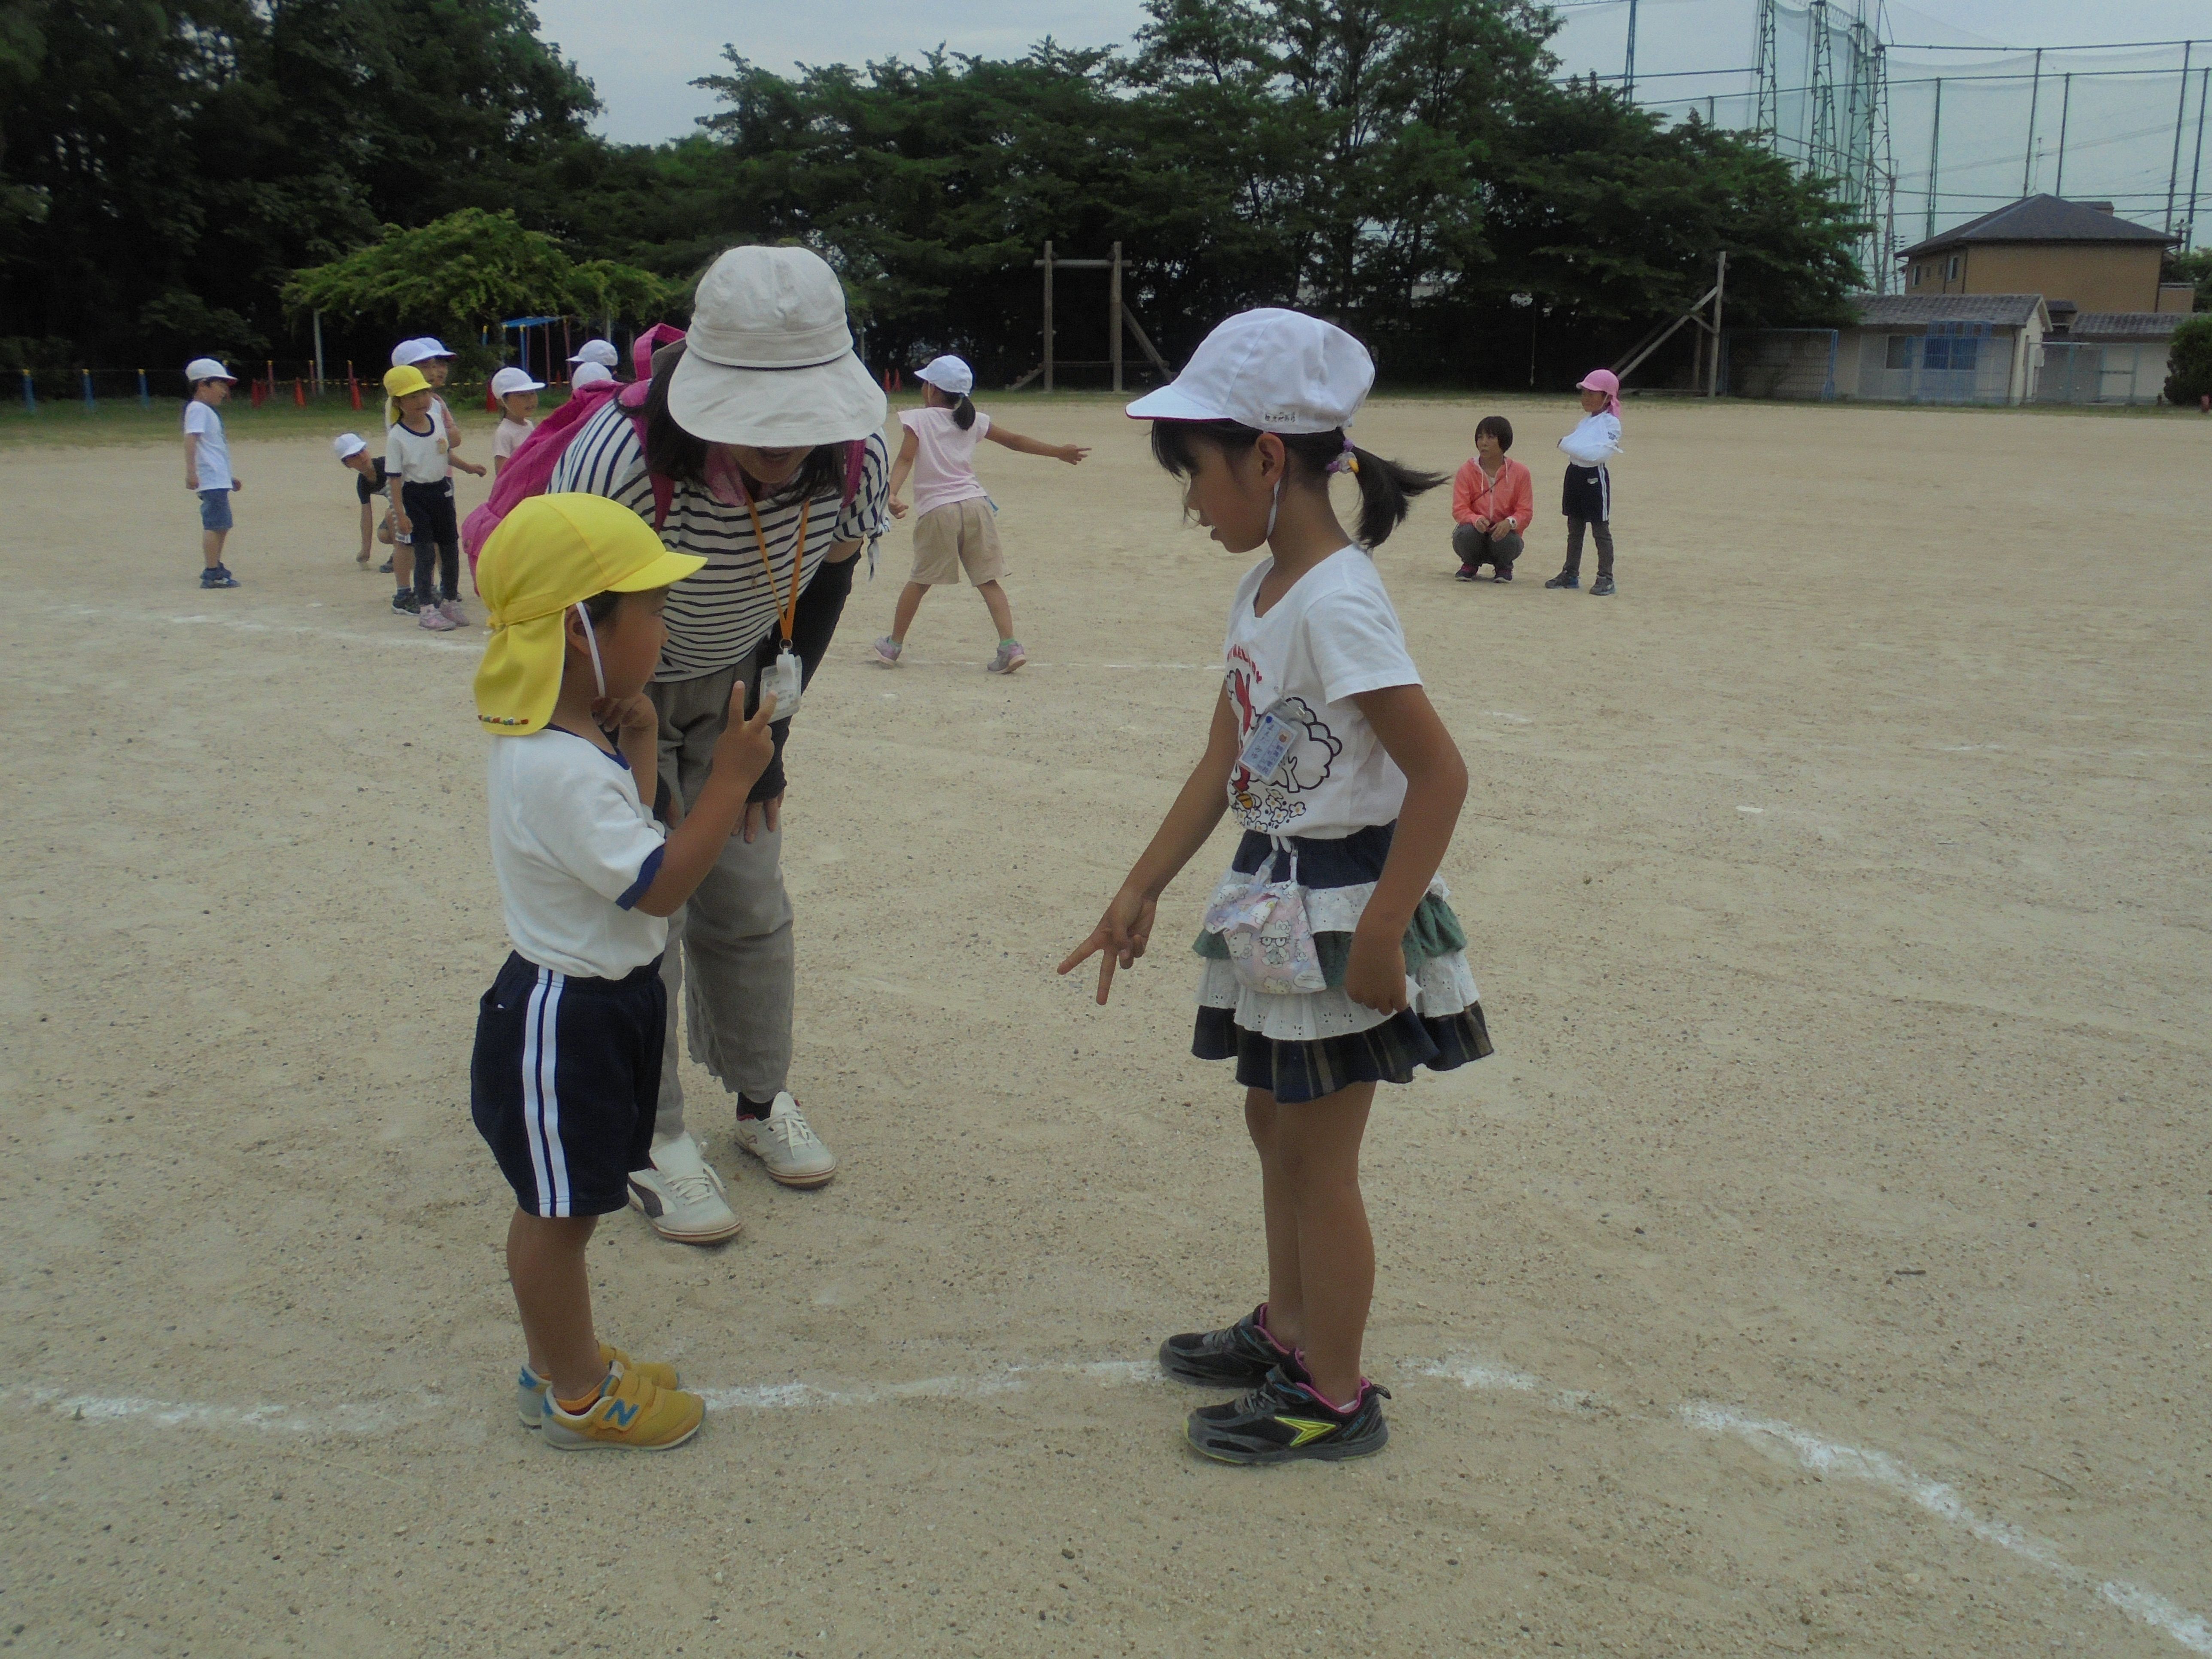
column 1047, row 316
column 1114, row 315
column 1720, row 294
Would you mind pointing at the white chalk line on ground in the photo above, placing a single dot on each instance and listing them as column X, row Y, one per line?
column 1827, row 1458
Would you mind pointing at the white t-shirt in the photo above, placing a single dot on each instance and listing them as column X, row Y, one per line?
column 1333, row 635
column 1596, row 438
column 212, row 454
column 509, row 437
column 416, row 458
column 943, row 457
column 574, row 849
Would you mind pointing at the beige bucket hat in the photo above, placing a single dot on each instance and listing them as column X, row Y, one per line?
column 768, row 359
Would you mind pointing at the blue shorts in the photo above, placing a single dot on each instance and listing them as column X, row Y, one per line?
column 215, row 509
column 565, row 1083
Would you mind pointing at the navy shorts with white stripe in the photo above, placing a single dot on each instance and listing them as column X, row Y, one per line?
column 564, row 1082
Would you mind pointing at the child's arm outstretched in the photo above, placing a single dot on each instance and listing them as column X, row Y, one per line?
column 741, row 755
column 900, row 469
column 1071, row 454
column 1436, row 786
column 1123, row 931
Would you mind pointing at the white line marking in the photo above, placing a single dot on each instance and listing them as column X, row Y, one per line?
column 1750, row 809
column 408, row 637
column 1827, row 1457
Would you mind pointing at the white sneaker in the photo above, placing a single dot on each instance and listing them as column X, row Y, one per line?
column 787, row 1144
column 682, row 1195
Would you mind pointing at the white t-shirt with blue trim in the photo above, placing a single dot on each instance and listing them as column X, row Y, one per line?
column 575, row 849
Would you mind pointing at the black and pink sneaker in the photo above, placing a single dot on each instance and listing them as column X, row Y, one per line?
column 1284, row 1421
column 1235, row 1357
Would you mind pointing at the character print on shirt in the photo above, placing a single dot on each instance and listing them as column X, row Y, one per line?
column 1269, row 805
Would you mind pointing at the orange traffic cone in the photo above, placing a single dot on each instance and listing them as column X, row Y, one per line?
column 300, row 391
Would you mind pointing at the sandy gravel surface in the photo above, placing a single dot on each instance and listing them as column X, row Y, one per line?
column 1823, row 1264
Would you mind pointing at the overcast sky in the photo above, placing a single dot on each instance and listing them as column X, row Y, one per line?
column 643, row 55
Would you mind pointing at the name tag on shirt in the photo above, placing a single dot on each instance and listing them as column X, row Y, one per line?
column 1271, row 739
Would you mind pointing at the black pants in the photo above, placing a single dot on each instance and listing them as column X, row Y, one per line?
column 1586, row 499
column 430, row 510
column 1477, row 547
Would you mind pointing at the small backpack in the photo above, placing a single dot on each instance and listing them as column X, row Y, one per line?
column 530, row 468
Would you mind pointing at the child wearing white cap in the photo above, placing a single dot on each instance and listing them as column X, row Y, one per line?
column 958, row 527
column 207, row 465
column 591, row 374
column 518, row 401
column 353, row 453
column 1332, row 961
column 601, row 352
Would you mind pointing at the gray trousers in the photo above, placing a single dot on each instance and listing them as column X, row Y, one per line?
column 1475, row 548
column 730, row 943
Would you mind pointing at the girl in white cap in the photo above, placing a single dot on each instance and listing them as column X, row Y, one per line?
column 518, row 401
column 1332, row 961
column 601, row 352
column 354, row 454
column 958, row 529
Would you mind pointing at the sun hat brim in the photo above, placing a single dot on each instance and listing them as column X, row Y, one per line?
column 665, row 571
column 831, row 403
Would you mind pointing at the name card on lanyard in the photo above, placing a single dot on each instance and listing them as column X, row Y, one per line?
column 786, row 678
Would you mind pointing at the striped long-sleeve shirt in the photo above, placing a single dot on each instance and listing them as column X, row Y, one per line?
column 718, row 617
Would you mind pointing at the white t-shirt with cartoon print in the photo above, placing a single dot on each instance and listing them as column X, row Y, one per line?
column 1333, row 635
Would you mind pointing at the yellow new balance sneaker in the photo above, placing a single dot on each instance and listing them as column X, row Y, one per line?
column 631, row 1415
column 530, row 1389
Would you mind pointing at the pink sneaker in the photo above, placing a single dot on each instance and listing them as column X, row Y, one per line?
column 436, row 621
column 1010, row 656
column 451, row 611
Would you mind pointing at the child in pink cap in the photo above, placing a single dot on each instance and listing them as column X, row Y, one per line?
column 1587, row 499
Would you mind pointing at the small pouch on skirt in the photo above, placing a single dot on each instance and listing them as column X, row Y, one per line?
column 1271, row 942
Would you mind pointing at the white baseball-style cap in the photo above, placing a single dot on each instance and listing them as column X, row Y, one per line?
column 597, row 351
column 948, row 374
column 207, row 368
column 431, row 346
column 348, row 445
column 407, row 353
column 514, row 380
column 591, row 374
column 769, row 358
column 1272, row 369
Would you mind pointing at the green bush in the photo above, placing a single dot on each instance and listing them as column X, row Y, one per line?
column 2189, row 364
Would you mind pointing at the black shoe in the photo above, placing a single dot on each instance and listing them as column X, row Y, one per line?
column 1239, row 1357
column 1468, row 573
column 215, row 576
column 384, row 570
column 1563, row 580
column 1600, row 587
column 1504, row 574
column 1282, row 1421
column 405, row 603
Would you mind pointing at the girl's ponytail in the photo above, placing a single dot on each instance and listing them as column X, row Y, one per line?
column 963, row 413
column 1386, row 493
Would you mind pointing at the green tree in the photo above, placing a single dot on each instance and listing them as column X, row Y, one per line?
column 469, row 270
column 2188, row 362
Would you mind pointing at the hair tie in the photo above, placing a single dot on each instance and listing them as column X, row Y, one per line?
column 1348, row 461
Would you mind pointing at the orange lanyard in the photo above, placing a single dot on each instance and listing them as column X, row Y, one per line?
column 789, row 618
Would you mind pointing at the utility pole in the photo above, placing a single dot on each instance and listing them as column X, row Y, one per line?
column 2034, row 96
column 2065, row 107
column 2196, row 167
column 1935, row 158
column 2181, row 109
column 318, row 354
column 1628, row 66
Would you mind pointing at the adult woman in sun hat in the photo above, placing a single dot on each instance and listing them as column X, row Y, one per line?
column 763, row 437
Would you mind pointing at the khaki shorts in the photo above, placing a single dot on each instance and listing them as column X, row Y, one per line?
column 960, row 535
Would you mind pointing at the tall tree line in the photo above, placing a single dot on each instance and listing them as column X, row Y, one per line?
column 1407, row 167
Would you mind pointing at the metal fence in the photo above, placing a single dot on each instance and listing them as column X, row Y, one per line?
column 1796, row 363
column 2083, row 372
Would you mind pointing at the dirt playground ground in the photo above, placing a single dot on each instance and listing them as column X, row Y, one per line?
column 1823, row 1263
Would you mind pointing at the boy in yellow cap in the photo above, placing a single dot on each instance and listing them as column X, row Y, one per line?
column 566, row 1074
